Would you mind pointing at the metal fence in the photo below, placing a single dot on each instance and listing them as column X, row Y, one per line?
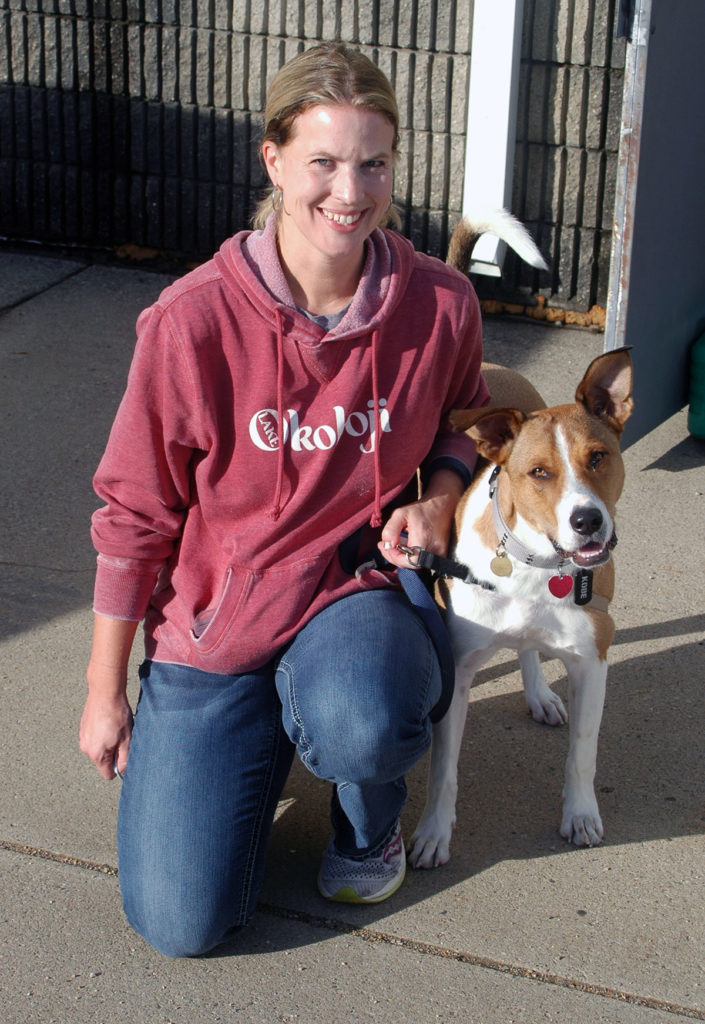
column 138, row 121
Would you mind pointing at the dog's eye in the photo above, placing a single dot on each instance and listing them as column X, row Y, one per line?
column 539, row 473
column 596, row 459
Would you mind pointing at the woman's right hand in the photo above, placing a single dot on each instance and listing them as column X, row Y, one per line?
column 105, row 732
column 106, row 723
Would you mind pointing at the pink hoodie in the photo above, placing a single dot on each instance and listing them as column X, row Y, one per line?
column 250, row 444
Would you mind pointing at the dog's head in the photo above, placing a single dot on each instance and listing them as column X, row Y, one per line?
column 563, row 463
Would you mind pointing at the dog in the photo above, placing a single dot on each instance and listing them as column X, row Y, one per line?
column 534, row 532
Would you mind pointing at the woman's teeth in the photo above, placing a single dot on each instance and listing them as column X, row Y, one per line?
column 345, row 219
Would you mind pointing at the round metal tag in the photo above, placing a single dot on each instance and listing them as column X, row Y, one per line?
column 501, row 565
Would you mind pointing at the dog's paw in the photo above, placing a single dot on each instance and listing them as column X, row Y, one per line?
column 547, row 707
column 583, row 829
column 430, row 853
column 430, row 845
column 544, row 705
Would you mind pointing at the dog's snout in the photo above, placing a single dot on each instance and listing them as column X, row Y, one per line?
column 586, row 521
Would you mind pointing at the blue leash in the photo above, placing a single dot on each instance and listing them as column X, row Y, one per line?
column 427, row 610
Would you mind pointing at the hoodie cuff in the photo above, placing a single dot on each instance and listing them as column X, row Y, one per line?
column 446, row 462
column 123, row 588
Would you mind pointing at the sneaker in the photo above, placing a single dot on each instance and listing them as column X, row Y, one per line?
column 369, row 880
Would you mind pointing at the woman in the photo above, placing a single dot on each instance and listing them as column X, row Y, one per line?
column 280, row 400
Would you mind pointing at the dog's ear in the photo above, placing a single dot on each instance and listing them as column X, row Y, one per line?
column 495, row 433
column 462, row 419
column 606, row 388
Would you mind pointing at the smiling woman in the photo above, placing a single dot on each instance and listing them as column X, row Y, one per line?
column 282, row 398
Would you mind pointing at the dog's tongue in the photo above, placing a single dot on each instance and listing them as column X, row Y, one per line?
column 591, row 554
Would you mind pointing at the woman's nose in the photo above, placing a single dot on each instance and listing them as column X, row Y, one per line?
column 348, row 184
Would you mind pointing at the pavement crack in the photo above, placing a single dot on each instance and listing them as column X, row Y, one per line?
column 57, row 858
column 373, row 935
column 488, row 963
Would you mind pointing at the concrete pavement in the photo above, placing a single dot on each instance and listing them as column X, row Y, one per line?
column 519, row 927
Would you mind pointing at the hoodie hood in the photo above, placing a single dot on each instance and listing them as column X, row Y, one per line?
column 250, row 261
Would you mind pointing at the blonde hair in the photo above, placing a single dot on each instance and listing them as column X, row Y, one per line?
column 326, row 75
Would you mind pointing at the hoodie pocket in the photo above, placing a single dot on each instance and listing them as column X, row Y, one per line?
column 209, row 625
column 257, row 607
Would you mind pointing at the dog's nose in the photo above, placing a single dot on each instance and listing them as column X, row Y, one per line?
column 586, row 521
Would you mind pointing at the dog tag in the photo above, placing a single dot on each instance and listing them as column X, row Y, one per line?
column 560, row 586
column 583, row 586
column 501, row 564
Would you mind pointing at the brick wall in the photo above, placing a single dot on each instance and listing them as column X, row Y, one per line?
column 138, row 120
column 570, row 102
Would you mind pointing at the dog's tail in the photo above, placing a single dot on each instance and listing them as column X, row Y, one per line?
column 500, row 223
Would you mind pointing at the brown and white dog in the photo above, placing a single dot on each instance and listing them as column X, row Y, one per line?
column 536, row 529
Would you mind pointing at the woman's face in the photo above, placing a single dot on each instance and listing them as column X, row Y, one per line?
column 336, row 174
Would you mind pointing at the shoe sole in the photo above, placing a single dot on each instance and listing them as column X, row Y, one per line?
column 346, row 894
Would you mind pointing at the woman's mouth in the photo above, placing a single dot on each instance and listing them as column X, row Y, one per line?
column 345, row 220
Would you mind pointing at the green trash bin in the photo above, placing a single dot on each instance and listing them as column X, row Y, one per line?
column 696, row 411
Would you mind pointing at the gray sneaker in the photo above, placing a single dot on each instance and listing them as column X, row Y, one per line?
column 369, row 880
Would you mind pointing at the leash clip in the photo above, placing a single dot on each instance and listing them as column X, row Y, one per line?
column 413, row 555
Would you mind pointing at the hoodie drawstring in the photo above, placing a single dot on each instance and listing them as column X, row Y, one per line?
column 376, row 517
column 276, row 508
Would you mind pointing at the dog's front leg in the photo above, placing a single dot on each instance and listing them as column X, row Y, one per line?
column 544, row 705
column 430, row 843
column 581, row 822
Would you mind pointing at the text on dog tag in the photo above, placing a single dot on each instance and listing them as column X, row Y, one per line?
column 583, row 586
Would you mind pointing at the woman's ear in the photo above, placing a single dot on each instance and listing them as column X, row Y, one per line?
column 270, row 158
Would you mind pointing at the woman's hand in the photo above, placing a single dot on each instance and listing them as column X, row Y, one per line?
column 105, row 732
column 106, row 724
column 427, row 522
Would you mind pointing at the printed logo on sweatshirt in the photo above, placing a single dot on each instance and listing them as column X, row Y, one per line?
column 304, row 437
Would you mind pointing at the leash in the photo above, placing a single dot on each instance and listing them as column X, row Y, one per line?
column 421, row 600
column 427, row 610
column 447, row 568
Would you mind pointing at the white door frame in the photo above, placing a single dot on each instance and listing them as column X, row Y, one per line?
column 490, row 135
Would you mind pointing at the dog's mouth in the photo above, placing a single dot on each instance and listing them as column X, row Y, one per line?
column 589, row 555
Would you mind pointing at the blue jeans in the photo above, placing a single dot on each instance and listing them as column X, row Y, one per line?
column 210, row 755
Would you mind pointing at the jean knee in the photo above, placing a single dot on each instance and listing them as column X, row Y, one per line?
column 180, row 935
column 365, row 750
column 361, row 716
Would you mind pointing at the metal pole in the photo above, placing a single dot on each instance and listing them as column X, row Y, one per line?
column 627, row 177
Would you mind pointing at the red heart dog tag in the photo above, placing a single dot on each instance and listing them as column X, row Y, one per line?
column 560, row 586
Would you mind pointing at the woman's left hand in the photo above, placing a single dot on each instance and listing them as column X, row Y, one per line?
column 426, row 523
